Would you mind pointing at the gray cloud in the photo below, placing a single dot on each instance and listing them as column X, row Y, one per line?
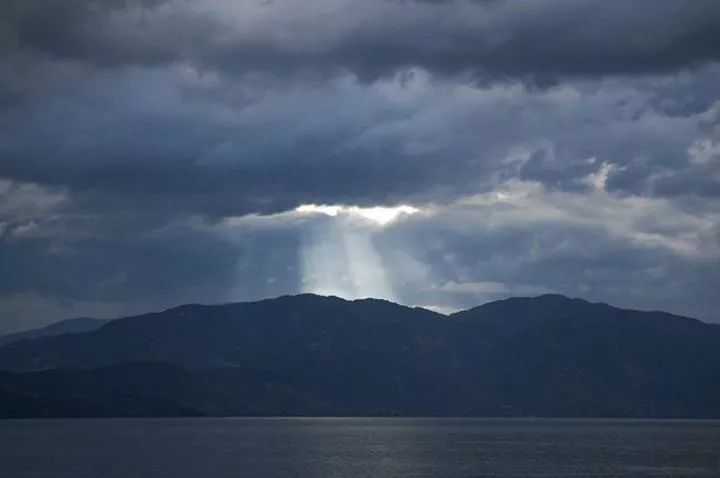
column 631, row 251
column 498, row 38
column 169, row 142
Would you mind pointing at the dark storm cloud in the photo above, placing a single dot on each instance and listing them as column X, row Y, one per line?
column 171, row 135
column 152, row 147
column 495, row 39
column 103, row 32
column 146, row 141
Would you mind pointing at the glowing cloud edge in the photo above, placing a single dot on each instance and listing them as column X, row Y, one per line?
column 380, row 215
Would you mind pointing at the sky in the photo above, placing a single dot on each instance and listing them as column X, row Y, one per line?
column 437, row 153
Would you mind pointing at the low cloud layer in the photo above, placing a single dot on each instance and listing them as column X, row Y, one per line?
column 154, row 152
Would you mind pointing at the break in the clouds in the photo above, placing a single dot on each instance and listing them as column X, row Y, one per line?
column 437, row 153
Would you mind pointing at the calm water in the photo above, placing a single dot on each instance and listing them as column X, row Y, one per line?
column 357, row 447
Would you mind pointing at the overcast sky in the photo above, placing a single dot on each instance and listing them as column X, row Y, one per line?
column 158, row 152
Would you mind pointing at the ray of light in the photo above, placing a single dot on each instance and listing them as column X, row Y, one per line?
column 339, row 258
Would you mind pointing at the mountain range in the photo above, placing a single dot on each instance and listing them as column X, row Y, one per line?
column 549, row 356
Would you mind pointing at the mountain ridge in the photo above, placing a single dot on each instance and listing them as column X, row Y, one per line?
column 316, row 355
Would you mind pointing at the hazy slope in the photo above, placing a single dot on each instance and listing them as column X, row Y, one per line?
column 69, row 326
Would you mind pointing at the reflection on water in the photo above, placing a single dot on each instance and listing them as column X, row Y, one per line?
column 357, row 447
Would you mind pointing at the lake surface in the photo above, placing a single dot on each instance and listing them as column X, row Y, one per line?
column 357, row 447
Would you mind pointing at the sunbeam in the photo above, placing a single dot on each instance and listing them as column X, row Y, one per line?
column 339, row 257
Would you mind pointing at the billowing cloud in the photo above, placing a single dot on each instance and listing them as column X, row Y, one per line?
column 377, row 37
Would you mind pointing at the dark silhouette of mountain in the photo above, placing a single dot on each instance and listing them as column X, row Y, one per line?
column 312, row 355
column 69, row 326
column 123, row 390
